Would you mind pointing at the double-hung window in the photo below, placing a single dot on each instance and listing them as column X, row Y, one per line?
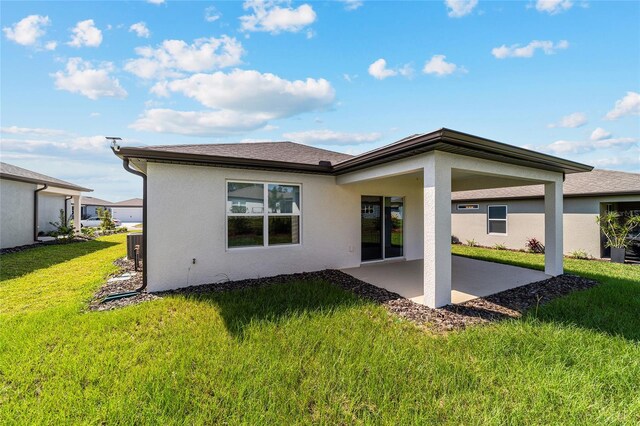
column 261, row 214
column 497, row 220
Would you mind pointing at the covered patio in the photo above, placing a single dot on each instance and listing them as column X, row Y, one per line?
column 470, row 278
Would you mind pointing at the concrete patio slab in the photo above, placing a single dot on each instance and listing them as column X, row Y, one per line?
column 470, row 279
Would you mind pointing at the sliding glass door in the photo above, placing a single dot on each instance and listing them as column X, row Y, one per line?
column 382, row 227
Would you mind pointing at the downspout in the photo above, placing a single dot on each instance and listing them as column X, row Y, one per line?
column 145, row 230
column 66, row 215
column 35, row 211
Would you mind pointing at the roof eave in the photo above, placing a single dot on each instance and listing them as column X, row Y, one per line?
column 44, row 182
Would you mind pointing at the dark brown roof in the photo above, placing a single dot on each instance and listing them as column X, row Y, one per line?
column 134, row 202
column 290, row 156
column 594, row 183
column 288, row 152
column 9, row 171
column 92, row 201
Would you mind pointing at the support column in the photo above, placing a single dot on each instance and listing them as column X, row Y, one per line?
column 553, row 212
column 437, row 231
column 77, row 212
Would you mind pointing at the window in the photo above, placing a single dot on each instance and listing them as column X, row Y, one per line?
column 467, row 207
column 497, row 219
column 250, row 224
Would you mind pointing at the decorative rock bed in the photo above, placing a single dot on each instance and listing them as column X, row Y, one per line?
column 55, row 241
column 507, row 304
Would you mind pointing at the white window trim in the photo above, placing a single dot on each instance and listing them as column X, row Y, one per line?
column 265, row 215
column 505, row 220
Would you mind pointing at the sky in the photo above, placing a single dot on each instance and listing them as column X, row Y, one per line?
column 556, row 76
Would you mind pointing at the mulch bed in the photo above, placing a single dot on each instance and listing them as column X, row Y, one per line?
column 507, row 304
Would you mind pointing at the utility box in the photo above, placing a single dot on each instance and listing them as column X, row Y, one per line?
column 134, row 240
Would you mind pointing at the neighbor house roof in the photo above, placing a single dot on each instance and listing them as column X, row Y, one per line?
column 11, row 172
column 92, row 201
column 134, row 202
column 594, row 183
column 290, row 156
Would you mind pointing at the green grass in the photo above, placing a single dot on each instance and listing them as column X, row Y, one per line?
column 305, row 352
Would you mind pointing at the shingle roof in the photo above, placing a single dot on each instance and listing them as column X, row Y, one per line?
column 289, row 152
column 134, row 202
column 596, row 182
column 9, row 171
column 92, row 201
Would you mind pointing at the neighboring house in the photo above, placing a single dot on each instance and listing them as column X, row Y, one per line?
column 127, row 210
column 29, row 201
column 510, row 216
column 233, row 211
column 90, row 206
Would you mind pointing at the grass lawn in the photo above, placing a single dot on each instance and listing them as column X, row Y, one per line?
column 304, row 353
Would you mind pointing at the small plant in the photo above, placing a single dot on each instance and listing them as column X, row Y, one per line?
column 472, row 243
column 121, row 229
column 498, row 246
column 89, row 232
column 534, row 246
column 580, row 254
column 63, row 227
column 617, row 227
column 106, row 222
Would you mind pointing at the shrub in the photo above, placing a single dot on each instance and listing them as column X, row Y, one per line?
column 121, row 229
column 89, row 232
column 498, row 246
column 63, row 226
column 106, row 223
column 580, row 254
column 534, row 246
column 472, row 243
column 455, row 240
column 617, row 227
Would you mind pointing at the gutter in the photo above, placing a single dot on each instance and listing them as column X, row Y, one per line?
column 35, row 211
column 66, row 215
column 145, row 230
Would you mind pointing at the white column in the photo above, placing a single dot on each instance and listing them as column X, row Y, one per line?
column 77, row 212
column 437, row 231
column 553, row 228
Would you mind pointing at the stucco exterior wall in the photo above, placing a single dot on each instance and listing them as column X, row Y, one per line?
column 16, row 213
column 525, row 219
column 49, row 206
column 187, row 220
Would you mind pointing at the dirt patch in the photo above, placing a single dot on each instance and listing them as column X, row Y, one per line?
column 507, row 304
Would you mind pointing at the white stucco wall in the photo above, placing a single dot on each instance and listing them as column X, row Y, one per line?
column 127, row 214
column 16, row 213
column 526, row 219
column 187, row 220
column 49, row 206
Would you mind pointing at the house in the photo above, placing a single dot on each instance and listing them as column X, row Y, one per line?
column 127, row 210
column 509, row 216
column 309, row 209
column 29, row 201
column 90, row 206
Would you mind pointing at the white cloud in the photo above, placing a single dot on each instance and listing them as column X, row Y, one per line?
column 85, row 33
column 173, row 57
column 629, row 105
column 572, row 121
column 15, row 130
column 240, row 101
column 352, row 4
column 81, row 77
column 330, row 137
column 29, row 30
column 349, row 77
column 141, row 30
column 563, row 147
column 268, row 16
column 553, row 7
column 620, row 162
column 599, row 134
column 51, row 45
column 517, row 51
column 156, row 1
column 379, row 70
column 68, row 142
column 211, row 14
column 437, row 65
column 198, row 123
column 460, row 8
column 252, row 91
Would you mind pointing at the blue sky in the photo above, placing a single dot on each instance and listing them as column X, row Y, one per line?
column 558, row 76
